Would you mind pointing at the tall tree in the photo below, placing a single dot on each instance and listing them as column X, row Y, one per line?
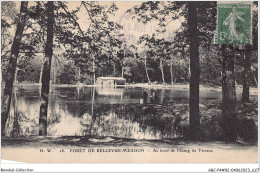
column 159, row 50
column 8, row 19
column 228, row 93
column 87, row 46
column 46, row 70
column 6, row 99
column 143, row 58
column 191, row 13
column 161, row 53
column 195, row 70
column 246, row 56
column 144, row 54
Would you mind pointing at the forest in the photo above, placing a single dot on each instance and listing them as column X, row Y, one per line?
column 104, row 51
column 47, row 43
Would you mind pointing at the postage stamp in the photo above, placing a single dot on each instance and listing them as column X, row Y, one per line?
column 234, row 23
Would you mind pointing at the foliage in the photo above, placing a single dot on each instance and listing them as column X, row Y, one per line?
column 68, row 74
column 103, row 44
column 8, row 21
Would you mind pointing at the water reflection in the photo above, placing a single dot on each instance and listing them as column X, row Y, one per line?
column 80, row 111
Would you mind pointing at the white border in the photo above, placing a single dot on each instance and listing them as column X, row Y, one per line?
column 128, row 167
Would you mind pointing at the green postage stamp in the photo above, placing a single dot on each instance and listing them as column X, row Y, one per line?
column 234, row 23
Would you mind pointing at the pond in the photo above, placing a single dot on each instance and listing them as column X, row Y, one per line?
column 98, row 112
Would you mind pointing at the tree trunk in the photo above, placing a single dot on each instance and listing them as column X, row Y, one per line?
column 3, row 40
column 46, row 71
column 93, row 94
column 93, row 119
column 94, row 71
column 15, row 75
column 171, row 71
column 195, row 71
column 79, row 81
column 161, row 67
column 246, row 55
column 254, row 77
column 146, row 71
column 40, row 80
column 53, row 70
column 16, row 130
column 122, row 72
column 123, row 64
column 114, row 65
column 228, row 94
column 6, row 99
column 183, row 56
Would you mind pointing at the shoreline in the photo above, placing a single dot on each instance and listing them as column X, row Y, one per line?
column 253, row 89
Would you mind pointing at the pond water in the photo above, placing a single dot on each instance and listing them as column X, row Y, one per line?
column 96, row 111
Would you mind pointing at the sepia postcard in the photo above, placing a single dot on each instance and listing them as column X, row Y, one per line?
column 129, row 82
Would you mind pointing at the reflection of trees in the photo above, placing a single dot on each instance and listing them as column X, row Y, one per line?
column 131, row 121
column 43, row 120
column 85, row 116
column 54, row 119
column 18, row 124
column 93, row 118
column 71, row 100
column 166, row 120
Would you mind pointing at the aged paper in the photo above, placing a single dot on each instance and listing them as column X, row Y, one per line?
column 119, row 83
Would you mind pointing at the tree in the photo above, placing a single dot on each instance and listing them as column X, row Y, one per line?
column 228, row 93
column 229, row 113
column 47, row 70
column 159, row 50
column 6, row 99
column 195, row 70
column 29, row 70
column 126, row 55
column 246, row 54
column 246, row 57
column 32, row 41
column 198, row 29
column 86, row 46
column 143, row 57
column 8, row 21
column 162, row 51
column 68, row 74
column 210, row 65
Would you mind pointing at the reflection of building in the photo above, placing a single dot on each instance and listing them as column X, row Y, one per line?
column 109, row 91
column 110, row 81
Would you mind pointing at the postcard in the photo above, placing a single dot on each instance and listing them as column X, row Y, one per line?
column 129, row 82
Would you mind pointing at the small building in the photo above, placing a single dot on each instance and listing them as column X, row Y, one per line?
column 110, row 81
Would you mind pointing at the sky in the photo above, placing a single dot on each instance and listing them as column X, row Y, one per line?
column 131, row 28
